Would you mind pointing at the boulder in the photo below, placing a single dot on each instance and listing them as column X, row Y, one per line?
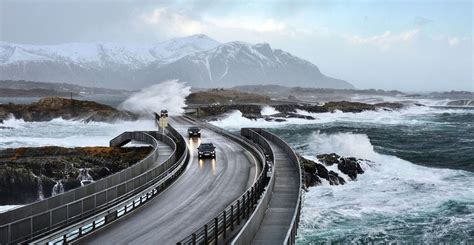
column 315, row 171
column 350, row 167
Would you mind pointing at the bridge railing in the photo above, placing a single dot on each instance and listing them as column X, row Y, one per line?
column 234, row 214
column 292, row 231
column 167, row 172
column 23, row 223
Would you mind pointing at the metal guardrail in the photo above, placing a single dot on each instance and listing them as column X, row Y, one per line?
column 249, row 230
column 172, row 170
column 47, row 215
column 290, row 237
column 234, row 214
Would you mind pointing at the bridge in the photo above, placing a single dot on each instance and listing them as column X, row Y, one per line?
column 250, row 194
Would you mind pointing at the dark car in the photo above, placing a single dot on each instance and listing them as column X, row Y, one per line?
column 194, row 132
column 164, row 113
column 206, row 150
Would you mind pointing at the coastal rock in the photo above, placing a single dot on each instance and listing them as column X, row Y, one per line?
column 28, row 174
column 315, row 171
column 49, row 108
column 216, row 110
column 350, row 166
column 253, row 111
column 347, row 165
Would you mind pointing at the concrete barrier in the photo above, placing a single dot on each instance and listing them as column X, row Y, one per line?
column 252, row 226
column 292, row 231
column 249, row 230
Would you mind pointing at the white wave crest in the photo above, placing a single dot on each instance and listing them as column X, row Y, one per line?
column 268, row 110
column 169, row 95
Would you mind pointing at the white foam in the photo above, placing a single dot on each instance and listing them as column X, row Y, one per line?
column 390, row 187
column 66, row 133
column 406, row 116
column 268, row 110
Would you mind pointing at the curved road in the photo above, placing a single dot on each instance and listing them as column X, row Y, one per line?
column 204, row 190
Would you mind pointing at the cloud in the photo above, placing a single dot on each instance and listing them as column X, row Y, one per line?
column 422, row 21
column 386, row 39
column 249, row 23
column 271, row 25
column 172, row 23
column 453, row 41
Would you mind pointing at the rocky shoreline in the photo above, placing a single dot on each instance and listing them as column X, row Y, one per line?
column 33, row 173
column 50, row 108
column 315, row 172
column 289, row 110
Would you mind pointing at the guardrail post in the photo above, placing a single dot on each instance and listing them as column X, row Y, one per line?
column 231, row 217
column 225, row 223
column 238, row 211
column 205, row 235
column 194, row 238
column 248, row 205
column 216, row 229
column 253, row 196
column 244, row 206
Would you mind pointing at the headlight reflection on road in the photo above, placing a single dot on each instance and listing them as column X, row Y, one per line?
column 213, row 166
column 193, row 142
column 201, row 163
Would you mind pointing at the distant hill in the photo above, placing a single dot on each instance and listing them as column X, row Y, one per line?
column 28, row 88
column 198, row 60
column 6, row 92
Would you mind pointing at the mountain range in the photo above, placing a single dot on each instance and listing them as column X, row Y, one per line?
column 198, row 60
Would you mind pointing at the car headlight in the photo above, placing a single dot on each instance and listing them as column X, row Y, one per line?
column 213, row 152
column 200, row 152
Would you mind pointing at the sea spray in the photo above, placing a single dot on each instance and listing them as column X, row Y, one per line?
column 58, row 188
column 268, row 110
column 39, row 181
column 169, row 95
column 84, row 176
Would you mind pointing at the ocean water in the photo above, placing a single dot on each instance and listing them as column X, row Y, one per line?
column 66, row 133
column 418, row 187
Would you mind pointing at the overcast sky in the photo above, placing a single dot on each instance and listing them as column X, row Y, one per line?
column 406, row 45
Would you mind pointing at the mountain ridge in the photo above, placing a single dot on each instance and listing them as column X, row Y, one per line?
column 198, row 60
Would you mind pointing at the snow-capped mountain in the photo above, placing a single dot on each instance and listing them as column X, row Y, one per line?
column 245, row 64
column 106, row 54
column 197, row 59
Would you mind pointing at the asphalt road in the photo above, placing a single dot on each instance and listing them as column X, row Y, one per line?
column 204, row 190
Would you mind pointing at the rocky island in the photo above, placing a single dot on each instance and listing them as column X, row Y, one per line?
column 31, row 174
column 50, row 108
